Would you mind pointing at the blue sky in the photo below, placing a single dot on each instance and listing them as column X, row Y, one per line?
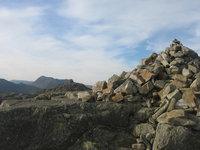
column 89, row 40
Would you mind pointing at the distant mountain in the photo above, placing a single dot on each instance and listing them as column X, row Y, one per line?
column 8, row 87
column 22, row 81
column 48, row 82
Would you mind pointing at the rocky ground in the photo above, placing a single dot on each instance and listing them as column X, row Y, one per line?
column 153, row 107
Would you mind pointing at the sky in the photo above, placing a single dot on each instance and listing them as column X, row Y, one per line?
column 90, row 40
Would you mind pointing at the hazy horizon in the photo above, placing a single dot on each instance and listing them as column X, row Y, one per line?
column 89, row 40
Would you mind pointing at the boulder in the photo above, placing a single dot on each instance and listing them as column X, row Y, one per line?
column 138, row 146
column 166, row 90
column 118, row 97
column 169, row 137
column 187, row 73
column 114, row 81
column 189, row 97
column 143, row 129
column 146, row 75
column 85, row 96
column 146, row 88
column 137, row 78
column 127, row 87
column 99, row 86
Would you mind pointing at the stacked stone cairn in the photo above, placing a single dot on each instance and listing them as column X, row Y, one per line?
column 167, row 85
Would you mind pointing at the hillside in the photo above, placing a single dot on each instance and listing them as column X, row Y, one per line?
column 8, row 87
column 48, row 82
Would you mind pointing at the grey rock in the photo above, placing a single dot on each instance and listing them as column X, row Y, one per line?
column 137, row 78
column 175, row 94
column 143, row 129
column 146, row 88
column 114, row 81
column 187, row 73
column 169, row 137
column 85, row 96
column 127, row 87
column 99, row 86
column 138, row 146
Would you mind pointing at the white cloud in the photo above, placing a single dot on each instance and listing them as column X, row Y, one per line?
column 27, row 54
column 130, row 22
column 91, row 47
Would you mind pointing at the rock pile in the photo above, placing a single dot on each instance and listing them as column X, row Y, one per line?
column 167, row 85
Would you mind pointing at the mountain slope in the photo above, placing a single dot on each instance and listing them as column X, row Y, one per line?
column 8, row 87
column 48, row 82
column 22, row 82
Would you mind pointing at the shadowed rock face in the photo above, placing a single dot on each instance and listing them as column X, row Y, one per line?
column 49, row 125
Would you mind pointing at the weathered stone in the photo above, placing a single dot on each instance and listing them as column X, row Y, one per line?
column 107, row 91
column 118, row 97
column 174, row 70
column 178, row 84
column 164, row 59
column 196, row 84
column 159, row 84
column 161, row 110
column 123, row 74
column 179, row 77
column 177, row 61
column 192, row 68
column 146, row 75
column 114, row 81
column 187, row 73
column 189, row 97
column 143, row 129
column 137, row 78
column 99, row 86
column 172, row 104
column 170, row 137
column 166, row 90
column 146, row 88
column 169, row 117
column 143, row 114
column 138, row 146
column 181, row 104
column 127, row 87
column 85, row 96
column 175, row 94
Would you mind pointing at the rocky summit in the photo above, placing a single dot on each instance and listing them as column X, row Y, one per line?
column 153, row 107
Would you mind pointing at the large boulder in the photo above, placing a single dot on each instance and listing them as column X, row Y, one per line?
column 51, row 125
column 170, row 137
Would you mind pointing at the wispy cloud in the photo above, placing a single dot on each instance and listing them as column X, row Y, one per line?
column 94, row 39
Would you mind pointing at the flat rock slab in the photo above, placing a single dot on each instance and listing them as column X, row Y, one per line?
column 54, row 125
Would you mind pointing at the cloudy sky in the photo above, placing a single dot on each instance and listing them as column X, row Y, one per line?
column 89, row 40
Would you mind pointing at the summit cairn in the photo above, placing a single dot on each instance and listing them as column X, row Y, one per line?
column 167, row 87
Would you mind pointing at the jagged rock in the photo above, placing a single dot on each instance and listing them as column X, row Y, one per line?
column 127, row 87
column 196, row 84
column 114, row 81
column 99, row 86
column 176, row 117
column 192, row 68
column 146, row 88
column 159, row 84
column 169, row 137
column 189, row 97
column 118, row 97
column 187, row 73
column 137, row 78
column 175, row 94
column 146, row 75
column 143, row 129
column 166, row 90
column 172, row 104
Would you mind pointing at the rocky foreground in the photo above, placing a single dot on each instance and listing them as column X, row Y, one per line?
column 154, row 107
